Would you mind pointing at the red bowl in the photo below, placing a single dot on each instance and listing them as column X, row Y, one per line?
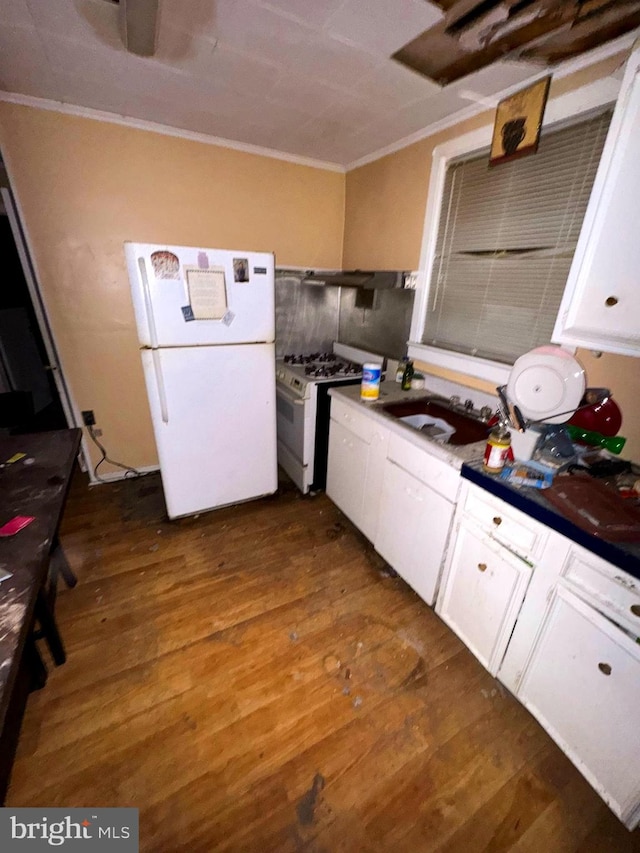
column 605, row 417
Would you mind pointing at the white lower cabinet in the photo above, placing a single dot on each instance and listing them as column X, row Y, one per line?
column 413, row 529
column 357, row 450
column 347, row 471
column 582, row 682
column 482, row 591
column 556, row 623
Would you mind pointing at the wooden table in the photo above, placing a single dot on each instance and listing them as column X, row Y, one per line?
column 34, row 486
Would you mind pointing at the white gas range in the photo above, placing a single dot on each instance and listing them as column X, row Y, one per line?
column 303, row 408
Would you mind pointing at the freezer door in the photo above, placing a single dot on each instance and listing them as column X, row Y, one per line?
column 162, row 298
column 214, row 418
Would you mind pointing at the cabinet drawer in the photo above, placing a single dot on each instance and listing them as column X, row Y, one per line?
column 435, row 473
column 583, row 685
column 362, row 424
column 507, row 525
column 609, row 589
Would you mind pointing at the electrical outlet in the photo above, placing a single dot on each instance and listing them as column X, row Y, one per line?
column 88, row 417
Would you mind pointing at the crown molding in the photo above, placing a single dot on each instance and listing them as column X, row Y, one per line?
column 164, row 129
column 569, row 67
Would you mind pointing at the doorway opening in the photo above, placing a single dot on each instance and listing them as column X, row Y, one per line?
column 33, row 393
column 29, row 398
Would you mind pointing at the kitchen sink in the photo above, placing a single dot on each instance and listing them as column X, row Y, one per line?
column 434, row 415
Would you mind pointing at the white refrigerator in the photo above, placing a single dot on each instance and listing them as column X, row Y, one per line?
column 206, row 327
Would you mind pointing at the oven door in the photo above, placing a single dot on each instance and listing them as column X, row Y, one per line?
column 294, row 427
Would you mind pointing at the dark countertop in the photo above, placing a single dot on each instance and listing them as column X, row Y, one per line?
column 39, row 489
column 623, row 555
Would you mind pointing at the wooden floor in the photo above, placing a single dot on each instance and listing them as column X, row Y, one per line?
column 253, row 680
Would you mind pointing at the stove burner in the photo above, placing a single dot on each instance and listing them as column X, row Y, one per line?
column 298, row 359
column 323, row 365
column 314, row 357
column 319, row 370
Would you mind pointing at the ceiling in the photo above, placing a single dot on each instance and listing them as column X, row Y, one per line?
column 309, row 78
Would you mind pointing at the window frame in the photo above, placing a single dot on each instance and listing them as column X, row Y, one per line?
column 560, row 111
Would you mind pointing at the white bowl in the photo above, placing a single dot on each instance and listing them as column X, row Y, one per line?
column 546, row 384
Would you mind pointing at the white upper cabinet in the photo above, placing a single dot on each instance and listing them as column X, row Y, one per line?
column 600, row 309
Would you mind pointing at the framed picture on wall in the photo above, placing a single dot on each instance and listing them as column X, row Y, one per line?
column 516, row 131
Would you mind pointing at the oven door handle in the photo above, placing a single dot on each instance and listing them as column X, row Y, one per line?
column 288, row 396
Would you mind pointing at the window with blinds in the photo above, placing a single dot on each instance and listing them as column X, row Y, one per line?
column 505, row 243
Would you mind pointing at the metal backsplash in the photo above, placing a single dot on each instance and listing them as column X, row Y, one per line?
column 306, row 316
column 310, row 318
column 383, row 328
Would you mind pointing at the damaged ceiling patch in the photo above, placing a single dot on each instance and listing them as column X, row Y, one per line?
column 475, row 34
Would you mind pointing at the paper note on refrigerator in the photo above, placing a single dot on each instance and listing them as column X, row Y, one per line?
column 207, row 292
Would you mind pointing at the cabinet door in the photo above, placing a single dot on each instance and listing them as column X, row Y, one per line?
column 373, row 483
column 413, row 528
column 481, row 594
column 600, row 308
column 347, row 472
column 583, row 684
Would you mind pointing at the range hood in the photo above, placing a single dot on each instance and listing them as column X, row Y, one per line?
column 367, row 280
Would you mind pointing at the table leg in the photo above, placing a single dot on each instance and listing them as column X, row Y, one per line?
column 37, row 669
column 49, row 629
column 59, row 564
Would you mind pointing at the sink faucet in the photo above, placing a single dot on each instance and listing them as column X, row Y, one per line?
column 468, row 408
column 486, row 412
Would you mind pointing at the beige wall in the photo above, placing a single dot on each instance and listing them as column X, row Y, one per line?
column 385, row 204
column 386, row 199
column 385, row 207
column 85, row 187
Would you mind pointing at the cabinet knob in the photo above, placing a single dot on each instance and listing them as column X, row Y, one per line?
column 482, row 567
column 635, row 609
column 497, row 520
column 604, row 668
column 610, row 301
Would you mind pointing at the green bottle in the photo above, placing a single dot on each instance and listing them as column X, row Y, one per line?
column 407, row 376
column 613, row 443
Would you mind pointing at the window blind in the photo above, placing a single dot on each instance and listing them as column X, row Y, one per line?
column 506, row 238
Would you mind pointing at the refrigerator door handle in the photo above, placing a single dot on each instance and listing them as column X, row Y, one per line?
column 148, row 303
column 162, row 394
